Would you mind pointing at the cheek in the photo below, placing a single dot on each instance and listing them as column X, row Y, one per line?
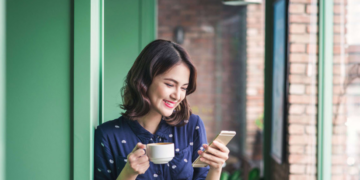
column 162, row 92
column 183, row 95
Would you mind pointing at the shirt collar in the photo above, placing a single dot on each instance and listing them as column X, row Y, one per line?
column 144, row 135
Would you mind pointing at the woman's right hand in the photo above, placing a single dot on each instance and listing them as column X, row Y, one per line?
column 137, row 163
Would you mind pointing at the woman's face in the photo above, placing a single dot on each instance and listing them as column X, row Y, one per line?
column 168, row 89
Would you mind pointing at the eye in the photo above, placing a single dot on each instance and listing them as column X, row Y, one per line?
column 184, row 89
column 169, row 85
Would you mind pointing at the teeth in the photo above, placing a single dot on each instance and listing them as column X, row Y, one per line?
column 167, row 102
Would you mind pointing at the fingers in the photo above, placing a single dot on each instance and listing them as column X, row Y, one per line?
column 218, row 153
column 143, row 159
column 220, row 146
column 138, row 162
column 139, row 152
column 211, row 163
column 211, row 157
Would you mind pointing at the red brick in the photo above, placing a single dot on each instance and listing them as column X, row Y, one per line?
column 311, row 169
column 302, row 79
column 312, row 9
column 297, row 169
column 311, row 149
column 302, row 99
column 354, row 49
column 297, row 28
column 338, row 139
column 311, row 90
column 340, row 1
column 299, row 159
column 339, row 19
column 297, row 89
column 296, row 129
column 312, row 29
column 297, row 68
column 296, row 109
column 311, row 69
column 312, row 48
column 311, row 130
column 302, row 140
column 336, row 169
column 339, row 29
column 302, row 58
column 339, row 9
column 302, row 1
column 338, row 149
column 302, row 119
column 338, row 159
column 342, row 58
column 304, row 38
column 301, row 177
column 300, row 18
column 296, row 149
column 311, row 110
column 339, row 129
column 296, row 8
column 297, row 48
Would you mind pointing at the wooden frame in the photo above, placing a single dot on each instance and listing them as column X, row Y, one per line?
column 280, row 75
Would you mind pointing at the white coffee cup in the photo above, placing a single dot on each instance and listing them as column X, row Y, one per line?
column 160, row 153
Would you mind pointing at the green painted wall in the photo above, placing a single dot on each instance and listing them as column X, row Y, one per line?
column 46, row 81
column 38, row 86
column 129, row 27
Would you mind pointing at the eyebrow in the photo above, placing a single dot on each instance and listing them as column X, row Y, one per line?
column 173, row 80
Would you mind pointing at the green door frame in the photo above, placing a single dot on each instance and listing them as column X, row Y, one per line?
column 88, row 75
column 2, row 89
column 87, row 83
column 325, row 89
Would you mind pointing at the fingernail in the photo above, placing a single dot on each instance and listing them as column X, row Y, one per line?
column 199, row 151
column 215, row 142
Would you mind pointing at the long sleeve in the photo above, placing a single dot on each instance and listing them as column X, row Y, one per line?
column 104, row 167
column 199, row 139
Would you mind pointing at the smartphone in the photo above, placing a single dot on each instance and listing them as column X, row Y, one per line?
column 223, row 137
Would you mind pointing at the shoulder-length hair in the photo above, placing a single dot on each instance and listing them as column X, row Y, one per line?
column 155, row 59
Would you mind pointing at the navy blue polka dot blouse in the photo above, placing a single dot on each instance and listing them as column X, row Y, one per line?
column 115, row 139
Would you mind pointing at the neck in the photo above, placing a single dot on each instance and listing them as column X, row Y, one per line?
column 150, row 121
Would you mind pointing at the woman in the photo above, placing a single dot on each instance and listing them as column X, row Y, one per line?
column 156, row 110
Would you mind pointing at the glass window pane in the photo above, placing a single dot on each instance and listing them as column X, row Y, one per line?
column 226, row 43
column 346, row 91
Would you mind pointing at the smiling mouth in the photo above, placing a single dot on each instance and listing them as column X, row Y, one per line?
column 169, row 104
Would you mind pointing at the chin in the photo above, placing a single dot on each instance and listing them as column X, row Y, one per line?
column 166, row 113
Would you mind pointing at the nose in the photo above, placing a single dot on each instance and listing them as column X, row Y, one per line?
column 176, row 95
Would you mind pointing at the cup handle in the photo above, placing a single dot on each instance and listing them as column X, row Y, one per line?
column 145, row 149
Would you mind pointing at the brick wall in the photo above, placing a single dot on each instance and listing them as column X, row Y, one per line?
column 302, row 119
column 226, row 43
column 201, row 22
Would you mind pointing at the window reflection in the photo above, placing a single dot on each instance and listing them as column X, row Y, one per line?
column 346, row 90
column 226, row 43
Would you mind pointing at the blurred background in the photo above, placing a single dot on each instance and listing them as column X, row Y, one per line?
column 62, row 64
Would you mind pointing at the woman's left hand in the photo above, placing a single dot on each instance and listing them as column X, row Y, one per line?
column 215, row 157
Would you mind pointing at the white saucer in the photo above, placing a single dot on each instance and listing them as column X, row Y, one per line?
column 161, row 160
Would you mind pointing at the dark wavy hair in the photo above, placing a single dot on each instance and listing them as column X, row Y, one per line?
column 155, row 59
